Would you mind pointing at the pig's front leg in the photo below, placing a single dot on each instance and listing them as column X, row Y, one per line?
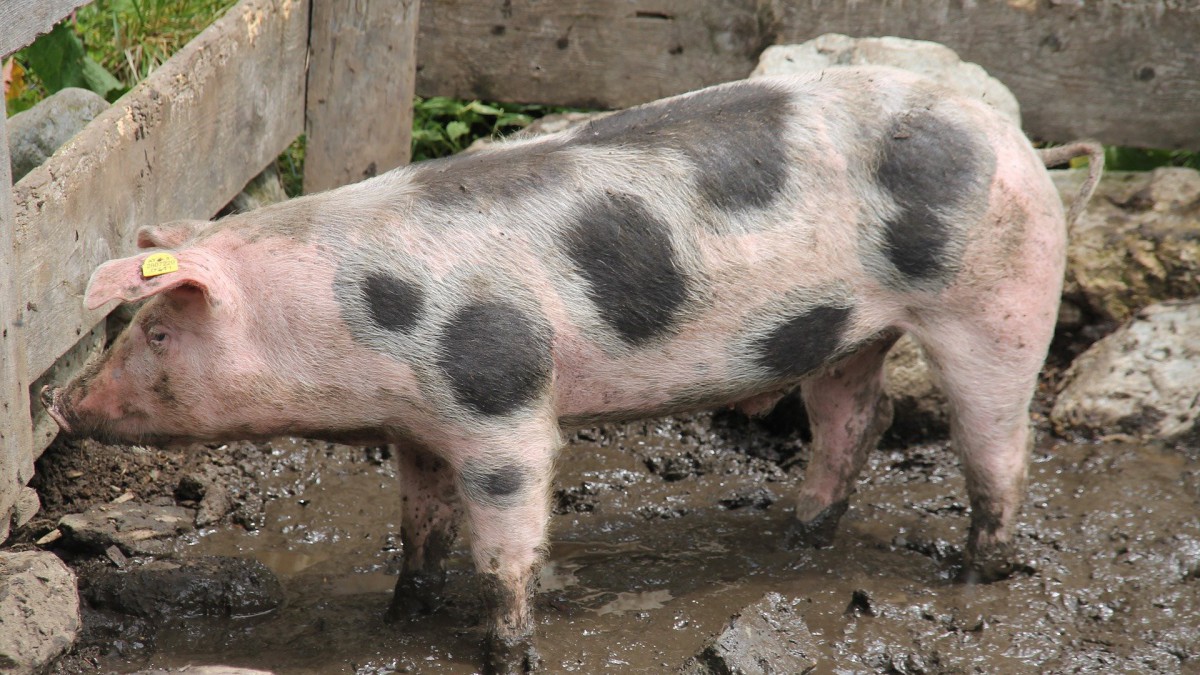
column 429, row 525
column 506, row 494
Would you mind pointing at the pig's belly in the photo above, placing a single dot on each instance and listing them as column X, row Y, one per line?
column 687, row 373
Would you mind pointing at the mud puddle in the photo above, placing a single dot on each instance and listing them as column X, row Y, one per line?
column 663, row 530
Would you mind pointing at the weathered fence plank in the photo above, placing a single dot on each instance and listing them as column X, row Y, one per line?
column 180, row 145
column 362, row 65
column 1124, row 71
column 16, row 456
column 21, row 21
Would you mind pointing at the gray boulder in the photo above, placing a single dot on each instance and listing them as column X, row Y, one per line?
column 208, row 586
column 1138, row 242
column 34, row 135
column 39, row 610
column 935, row 61
column 1141, row 382
column 768, row 637
column 135, row 528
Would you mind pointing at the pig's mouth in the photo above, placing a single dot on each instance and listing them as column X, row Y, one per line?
column 50, row 398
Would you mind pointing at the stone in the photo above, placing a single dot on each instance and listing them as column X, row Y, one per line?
column 933, row 60
column 213, row 501
column 921, row 409
column 136, row 528
column 39, row 610
column 213, row 586
column 34, row 135
column 1137, row 243
column 766, row 638
column 1143, row 381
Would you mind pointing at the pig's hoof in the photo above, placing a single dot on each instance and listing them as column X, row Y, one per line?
column 512, row 655
column 987, row 564
column 416, row 595
column 818, row 531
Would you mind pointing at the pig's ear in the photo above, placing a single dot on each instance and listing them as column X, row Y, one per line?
column 169, row 235
column 126, row 279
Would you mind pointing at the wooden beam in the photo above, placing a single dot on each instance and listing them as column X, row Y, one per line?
column 24, row 20
column 1126, row 72
column 360, row 88
column 16, row 453
column 180, row 145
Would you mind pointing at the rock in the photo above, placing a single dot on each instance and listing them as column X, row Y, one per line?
column 1138, row 241
column 1141, row 381
column 921, row 409
column 39, row 610
column 213, row 499
column 764, row 638
column 935, row 61
column 138, row 529
column 173, row 589
column 34, row 135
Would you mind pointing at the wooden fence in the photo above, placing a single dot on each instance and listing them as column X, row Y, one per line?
column 181, row 144
column 184, row 141
column 1126, row 72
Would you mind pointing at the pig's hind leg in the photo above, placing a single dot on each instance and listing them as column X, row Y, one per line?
column 428, row 527
column 848, row 411
column 988, row 367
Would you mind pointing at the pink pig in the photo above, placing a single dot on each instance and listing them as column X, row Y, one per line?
column 715, row 248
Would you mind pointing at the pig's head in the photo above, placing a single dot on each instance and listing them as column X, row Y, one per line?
column 181, row 370
column 132, row 391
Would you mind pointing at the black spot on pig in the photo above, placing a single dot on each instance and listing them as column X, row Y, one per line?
column 627, row 258
column 936, row 171
column 493, row 485
column 804, row 342
column 496, row 358
column 502, row 172
column 734, row 136
column 394, row 304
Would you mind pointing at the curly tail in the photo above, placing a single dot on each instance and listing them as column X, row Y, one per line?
column 1062, row 154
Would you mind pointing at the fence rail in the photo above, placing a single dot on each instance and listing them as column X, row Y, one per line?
column 1126, row 72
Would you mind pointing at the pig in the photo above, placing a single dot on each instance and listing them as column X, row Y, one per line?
column 721, row 247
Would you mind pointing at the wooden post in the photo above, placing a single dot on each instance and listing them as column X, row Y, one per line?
column 16, row 442
column 24, row 20
column 362, row 66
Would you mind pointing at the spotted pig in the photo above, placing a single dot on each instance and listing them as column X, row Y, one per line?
column 716, row 248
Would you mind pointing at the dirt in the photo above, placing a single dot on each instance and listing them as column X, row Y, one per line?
column 662, row 530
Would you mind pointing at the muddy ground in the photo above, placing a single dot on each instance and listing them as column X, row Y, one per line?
column 663, row 530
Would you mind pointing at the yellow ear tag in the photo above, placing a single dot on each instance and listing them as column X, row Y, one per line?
column 159, row 263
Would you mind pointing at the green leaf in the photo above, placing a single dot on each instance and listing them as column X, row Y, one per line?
column 59, row 60
column 457, row 129
column 101, row 81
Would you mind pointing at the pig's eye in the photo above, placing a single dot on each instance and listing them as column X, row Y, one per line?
column 157, row 337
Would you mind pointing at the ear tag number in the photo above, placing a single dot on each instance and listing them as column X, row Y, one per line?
column 159, row 263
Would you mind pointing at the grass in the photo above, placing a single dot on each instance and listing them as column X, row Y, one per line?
column 130, row 38
column 108, row 46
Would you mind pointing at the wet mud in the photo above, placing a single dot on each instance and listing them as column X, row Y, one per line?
column 662, row 531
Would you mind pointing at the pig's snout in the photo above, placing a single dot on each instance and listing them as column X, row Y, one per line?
column 50, row 396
